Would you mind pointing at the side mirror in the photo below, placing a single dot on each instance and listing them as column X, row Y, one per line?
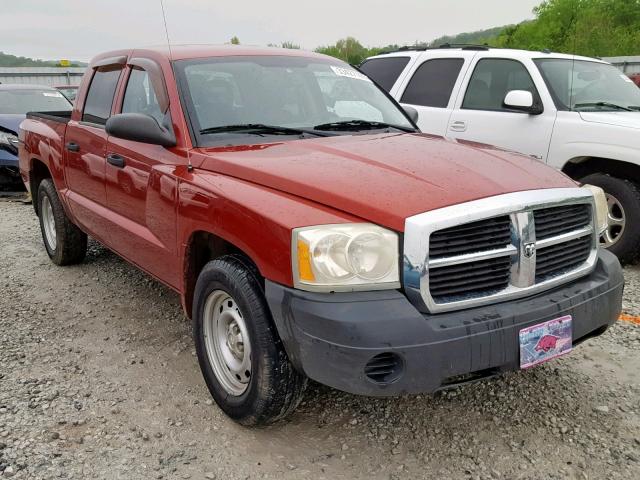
column 412, row 112
column 522, row 101
column 140, row 128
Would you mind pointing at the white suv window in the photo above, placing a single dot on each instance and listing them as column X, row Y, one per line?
column 433, row 82
column 384, row 71
column 492, row 79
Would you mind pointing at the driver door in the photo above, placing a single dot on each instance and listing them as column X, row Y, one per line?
column 140, row 185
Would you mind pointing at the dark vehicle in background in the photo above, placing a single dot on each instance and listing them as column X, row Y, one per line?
column 69, row 91
column 15, row 102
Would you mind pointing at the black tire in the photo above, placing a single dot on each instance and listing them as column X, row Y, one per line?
column 274, row 388
column 70, row 242
column 627, row 193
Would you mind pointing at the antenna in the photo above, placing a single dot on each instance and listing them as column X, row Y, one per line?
column 166, row 31
column 573, row 56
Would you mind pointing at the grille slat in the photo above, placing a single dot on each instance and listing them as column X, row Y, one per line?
column 483, row 278
column 557, row 259
column 553, row 221
column 472, row 237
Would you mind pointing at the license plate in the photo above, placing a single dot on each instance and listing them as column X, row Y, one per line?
column 545, row 341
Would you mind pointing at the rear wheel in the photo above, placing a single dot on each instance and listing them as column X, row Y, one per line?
column 622, row 236
column 240, row 353
column 65, row 243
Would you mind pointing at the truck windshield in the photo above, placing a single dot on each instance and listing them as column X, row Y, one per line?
column 21, row 101
column 300, row 93
column 582, row 85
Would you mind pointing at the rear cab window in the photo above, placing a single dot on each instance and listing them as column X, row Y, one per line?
column 433, row 82
column 99, row 99
column 384, row 71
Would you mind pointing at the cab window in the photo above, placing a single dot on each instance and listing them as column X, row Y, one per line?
column 97, row 106
column 139, row 97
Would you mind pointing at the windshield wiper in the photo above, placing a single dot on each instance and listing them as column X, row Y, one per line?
column 347, row 125
column 603, row 104
column 260, row 128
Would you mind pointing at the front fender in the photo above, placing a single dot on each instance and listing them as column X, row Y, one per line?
column 255, row 219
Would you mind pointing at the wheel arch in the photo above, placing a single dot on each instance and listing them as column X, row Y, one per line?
column 38, row 171
column 579, row 167
column 201, row 247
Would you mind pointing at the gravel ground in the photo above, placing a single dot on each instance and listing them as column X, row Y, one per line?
column 98, row 379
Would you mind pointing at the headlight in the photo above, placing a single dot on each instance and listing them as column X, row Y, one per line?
column 602, row 208
column 8, row 140
column 345, row 257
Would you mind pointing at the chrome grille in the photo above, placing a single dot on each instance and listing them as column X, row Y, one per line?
column 498, row 248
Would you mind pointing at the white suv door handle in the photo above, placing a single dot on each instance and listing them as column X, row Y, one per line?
column 458, row 126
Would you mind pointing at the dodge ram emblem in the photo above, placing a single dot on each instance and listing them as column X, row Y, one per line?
column 529, row 249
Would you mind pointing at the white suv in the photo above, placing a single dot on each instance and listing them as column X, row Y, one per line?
column 578, row 114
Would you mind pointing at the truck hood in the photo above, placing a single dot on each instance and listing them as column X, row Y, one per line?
column 620, row 119
column 382, row 178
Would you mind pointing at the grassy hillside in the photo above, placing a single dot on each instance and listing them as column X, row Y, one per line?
column 478, row 37
column 7, row 60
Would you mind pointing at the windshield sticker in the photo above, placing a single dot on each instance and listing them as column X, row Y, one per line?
column 626, row 79
column 349, row 73
column 52, row 94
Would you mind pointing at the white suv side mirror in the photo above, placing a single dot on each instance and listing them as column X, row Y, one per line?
column 521, row 100
column 518, row 99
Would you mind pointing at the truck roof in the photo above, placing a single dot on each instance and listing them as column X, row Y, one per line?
column 187, row 51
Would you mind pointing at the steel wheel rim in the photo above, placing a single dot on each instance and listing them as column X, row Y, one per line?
column 616, row 222
column 227, row 342
column 48, row 223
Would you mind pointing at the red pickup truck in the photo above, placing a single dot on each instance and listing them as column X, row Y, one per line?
column 311, row 230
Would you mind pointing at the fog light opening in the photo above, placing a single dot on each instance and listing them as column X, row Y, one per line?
column 384, row 368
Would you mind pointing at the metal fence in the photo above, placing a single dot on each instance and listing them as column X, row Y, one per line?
column 42, row 75
column 628, row 65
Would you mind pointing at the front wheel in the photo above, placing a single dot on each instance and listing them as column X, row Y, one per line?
column 66, row 244
column 240, row 353
column 622, row 236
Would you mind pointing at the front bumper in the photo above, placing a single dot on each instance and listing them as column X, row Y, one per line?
column 332, row 337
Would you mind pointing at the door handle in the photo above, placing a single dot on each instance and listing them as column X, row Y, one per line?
column 458, row 126
column 115, row 160
column 73, row 147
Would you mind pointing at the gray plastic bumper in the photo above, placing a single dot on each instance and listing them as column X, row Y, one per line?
column 331, row 337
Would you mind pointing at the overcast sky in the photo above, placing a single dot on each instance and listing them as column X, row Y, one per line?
column 79, row 29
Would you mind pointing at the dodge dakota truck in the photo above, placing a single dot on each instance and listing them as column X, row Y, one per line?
column 312, row 231
column 578, row 114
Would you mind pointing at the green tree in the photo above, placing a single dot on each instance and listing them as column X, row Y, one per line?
column 584, row 27
column 235, row 40
column 290, row 45
column 348, row 49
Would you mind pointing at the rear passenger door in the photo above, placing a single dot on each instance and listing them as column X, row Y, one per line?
column 85, row 150
column 480, row 115
column 431, row 87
